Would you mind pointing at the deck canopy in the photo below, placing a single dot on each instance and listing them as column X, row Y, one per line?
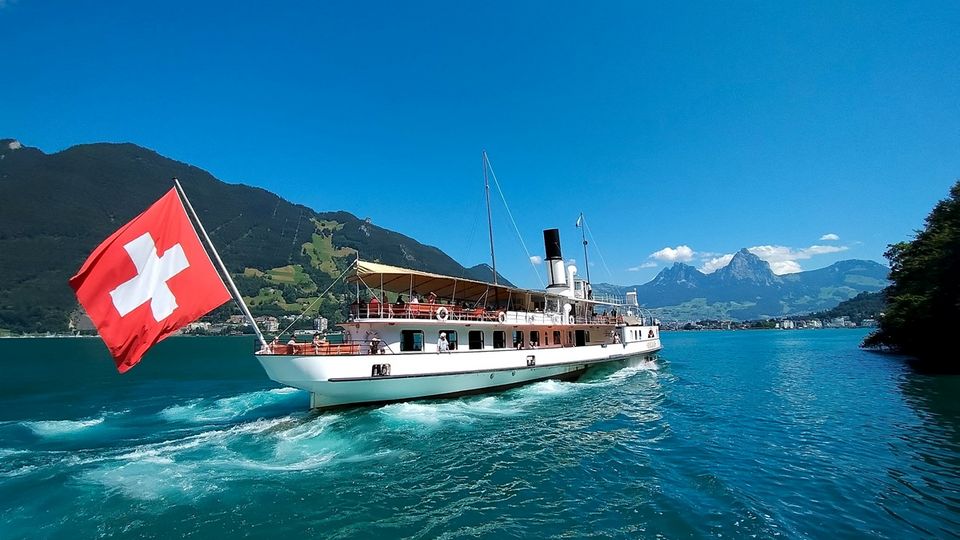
column 394, row 279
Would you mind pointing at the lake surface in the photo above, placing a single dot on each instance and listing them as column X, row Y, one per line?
column 790, row 434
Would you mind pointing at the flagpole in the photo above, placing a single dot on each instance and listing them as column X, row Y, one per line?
column 223, row 267
column 586, row 262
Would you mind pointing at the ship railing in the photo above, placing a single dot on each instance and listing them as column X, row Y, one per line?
column 449, row 312
column 322, row 348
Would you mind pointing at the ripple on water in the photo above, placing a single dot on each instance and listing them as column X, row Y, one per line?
column 204, row 463
column 57, row 428
column 205, row 410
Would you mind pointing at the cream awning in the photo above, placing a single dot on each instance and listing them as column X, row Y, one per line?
column 403, row 280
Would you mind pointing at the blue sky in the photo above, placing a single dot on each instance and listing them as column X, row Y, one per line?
column 699, row 127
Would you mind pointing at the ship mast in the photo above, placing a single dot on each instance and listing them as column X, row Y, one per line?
column 586, row 262
column 486, row 185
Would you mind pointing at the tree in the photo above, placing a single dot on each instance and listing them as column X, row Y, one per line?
column 923, row 300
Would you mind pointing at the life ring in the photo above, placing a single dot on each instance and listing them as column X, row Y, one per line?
column 442, row 313
column 501, row 317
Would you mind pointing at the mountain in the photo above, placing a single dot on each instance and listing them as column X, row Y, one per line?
column 866, row 305
column 748, row 289
column 58, row 207
column 745, row 267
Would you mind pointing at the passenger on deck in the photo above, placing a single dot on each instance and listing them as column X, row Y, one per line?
column 442, row 344
column 414, row 299
column 400, row 302
column 375, row 306
column 432, row 298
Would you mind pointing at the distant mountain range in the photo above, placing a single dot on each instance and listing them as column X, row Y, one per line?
column 747, row 289
column 58, row 207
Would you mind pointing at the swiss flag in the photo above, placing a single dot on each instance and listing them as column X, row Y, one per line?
column 147, row 280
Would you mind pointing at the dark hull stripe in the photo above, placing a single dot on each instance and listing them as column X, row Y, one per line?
column 568, row 376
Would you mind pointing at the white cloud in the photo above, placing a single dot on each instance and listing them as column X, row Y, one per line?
column 716, row 263
column 680, row 253
column 774, row 254
column 785, row 267
column 783, row 260
column 830, row 236
column 648, row 264
column 536, row 259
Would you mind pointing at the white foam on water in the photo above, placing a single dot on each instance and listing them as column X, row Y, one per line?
column 200, row 464
column 462, row 411
column 632, row 369
column 428, row 414
column 549, row 387
column 224, row 409
column 4, row 452
column 154, row 479
column 19, row 471
column 214, row 437
column 55, row 428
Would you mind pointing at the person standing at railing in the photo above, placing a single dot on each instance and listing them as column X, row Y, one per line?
column 375, row 307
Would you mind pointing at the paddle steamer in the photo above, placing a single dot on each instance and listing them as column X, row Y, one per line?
column 494, row 337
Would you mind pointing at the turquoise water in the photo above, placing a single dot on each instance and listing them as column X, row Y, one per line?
column 729, row 434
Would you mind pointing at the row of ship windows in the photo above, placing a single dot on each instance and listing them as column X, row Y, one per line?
column 412, row 340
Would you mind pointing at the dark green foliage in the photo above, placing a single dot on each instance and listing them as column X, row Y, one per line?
column 923, row 303
column 866, row 305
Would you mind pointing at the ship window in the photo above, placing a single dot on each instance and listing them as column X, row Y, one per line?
column 546, row 338
column 588, row 336
column 556, row 337
column 518, row 339
column 569, row 338
column 581, row 338
column 534, row 338
column 451, row 338
column 475, row 338
column 499, row 339
column 411, row 340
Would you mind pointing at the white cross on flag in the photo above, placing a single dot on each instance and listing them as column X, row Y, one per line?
column 147, row 280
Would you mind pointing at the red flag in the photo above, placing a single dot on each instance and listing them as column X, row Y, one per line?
column 147, row 280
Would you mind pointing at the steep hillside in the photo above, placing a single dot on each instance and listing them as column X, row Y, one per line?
column 58, row 207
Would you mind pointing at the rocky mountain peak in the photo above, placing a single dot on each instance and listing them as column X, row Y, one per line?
column 746, row 266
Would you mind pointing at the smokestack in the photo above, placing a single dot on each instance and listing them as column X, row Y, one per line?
column 556, row 275
column 551, row 244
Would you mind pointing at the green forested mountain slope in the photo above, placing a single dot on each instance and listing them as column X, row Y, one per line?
column 57, row 207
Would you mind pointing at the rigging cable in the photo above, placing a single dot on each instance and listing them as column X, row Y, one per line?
column 597, row 247
column 515, row 228
column 305, row 311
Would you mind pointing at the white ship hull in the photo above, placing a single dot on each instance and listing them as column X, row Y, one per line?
column 335, row 381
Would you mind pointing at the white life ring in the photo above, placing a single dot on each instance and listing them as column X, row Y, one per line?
column 442, row 313
column 501, row 317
